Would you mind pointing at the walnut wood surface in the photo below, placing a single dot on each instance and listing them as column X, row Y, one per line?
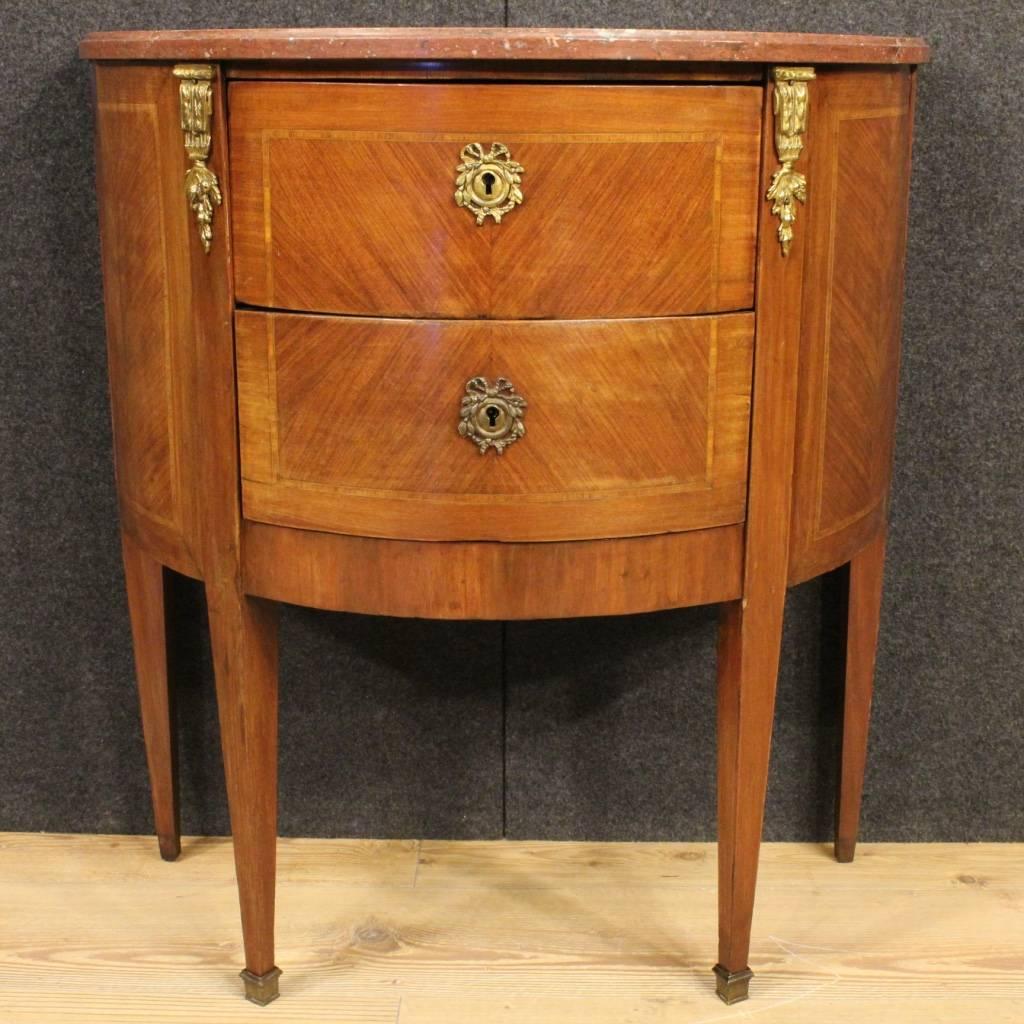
column 144, row 583
column 639, row 200
column 243, row 630
column 858, row 161
column 501, row 44
column 144, row 236
column 864, row 606
column 493, row 581
column 751, row 629
column 632, row 427
column 243, row 639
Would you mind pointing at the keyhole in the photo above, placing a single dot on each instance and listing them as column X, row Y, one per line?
column 492, row 415
column 489, row 181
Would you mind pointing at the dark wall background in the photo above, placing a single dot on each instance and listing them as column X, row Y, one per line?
column 573, row 729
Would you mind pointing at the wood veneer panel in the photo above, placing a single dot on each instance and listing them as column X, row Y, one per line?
column 858, row 171
column 493, row 581
column 639, row 200
column 632, row 427
column 143, row 228
column 500, row 43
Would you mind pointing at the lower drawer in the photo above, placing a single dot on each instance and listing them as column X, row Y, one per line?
column 630, row 427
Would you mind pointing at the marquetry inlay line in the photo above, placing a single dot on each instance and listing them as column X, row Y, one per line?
column 333, row 135
column 172, row 518
column 716, row 219
column 819, row 471
column 175, row 385
column 487, row 498
column 693, row 484
column 709, row 474
column 266, row 138
column 273, row 434
column 835, row 126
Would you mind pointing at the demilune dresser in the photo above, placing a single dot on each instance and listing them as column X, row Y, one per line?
column 499, row 324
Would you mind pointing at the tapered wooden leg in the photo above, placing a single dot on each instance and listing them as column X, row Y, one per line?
column 748, row 660
column 750, row 629
column 144, row 580
column 864, row 608
column 243, row 633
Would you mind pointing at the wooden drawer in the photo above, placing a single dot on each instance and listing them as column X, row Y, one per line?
column 638, row 200
column 633, row 427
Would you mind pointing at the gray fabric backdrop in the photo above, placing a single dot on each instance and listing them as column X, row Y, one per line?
column 583, row 729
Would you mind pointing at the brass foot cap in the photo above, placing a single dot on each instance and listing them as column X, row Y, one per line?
column 261, row 988
column 732, row 987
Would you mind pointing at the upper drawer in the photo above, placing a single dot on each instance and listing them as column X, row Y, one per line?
column 637, row 200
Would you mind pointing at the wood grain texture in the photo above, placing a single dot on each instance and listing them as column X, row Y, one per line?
column 59, row 858
column 140, row 162
column 144, row 582
column 632, row 427
column 509, row 44
column 243, row 639
column 493, row 581
column 243, row 630
column 56, row 858
column 639, row 200
column 750, row 633
column 175, row 292
column 858, row 169
column 97, row 928
column 534, row 864
column 864, row 607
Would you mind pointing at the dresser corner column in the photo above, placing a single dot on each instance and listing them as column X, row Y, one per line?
column 750, row 629
column 243, row 629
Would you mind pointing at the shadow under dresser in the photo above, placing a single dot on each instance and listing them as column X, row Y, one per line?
column 500, row 324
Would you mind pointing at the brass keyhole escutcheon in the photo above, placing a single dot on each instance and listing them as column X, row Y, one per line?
column 491, row 415
column 487, row 184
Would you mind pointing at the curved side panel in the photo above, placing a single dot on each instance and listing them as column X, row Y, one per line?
column 858, row 169
column 453, row 580
column 143, row 229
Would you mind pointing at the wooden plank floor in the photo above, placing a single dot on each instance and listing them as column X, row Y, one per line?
column 98, row 928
